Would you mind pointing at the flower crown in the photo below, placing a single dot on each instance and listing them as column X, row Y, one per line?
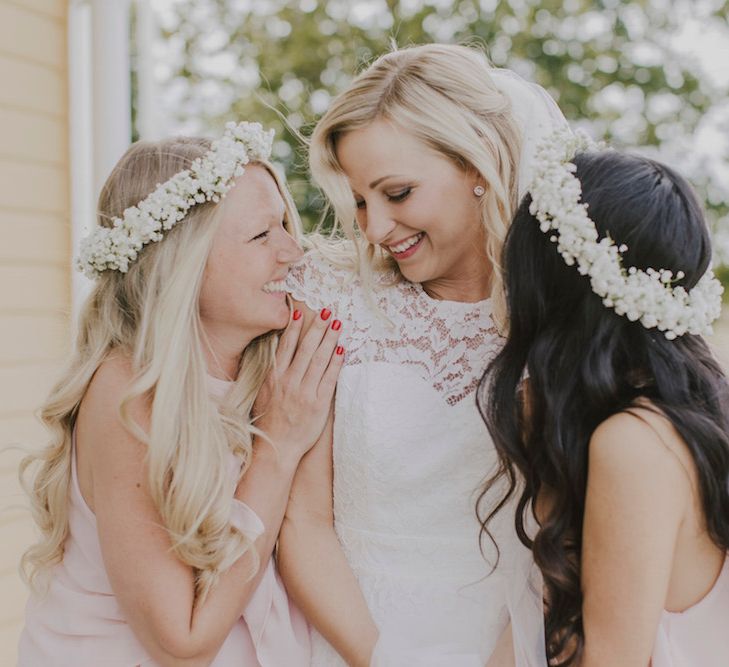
column 647, row 295
column 208, row 178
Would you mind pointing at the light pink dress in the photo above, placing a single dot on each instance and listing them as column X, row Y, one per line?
column 79, row 623
column 699, row 636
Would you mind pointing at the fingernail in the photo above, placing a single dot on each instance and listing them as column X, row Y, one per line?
column 297, row 314
column 336, row 325
column 325, row 313
column 339, row 350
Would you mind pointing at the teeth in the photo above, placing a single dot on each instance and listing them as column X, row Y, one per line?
column 407, row 243
column 275, row 286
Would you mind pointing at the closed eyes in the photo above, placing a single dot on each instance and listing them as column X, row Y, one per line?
column 396, row 198
column 265, row 233
column 400, row 196
column 260, row 236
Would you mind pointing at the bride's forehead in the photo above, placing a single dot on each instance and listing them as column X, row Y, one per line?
column 379, row 136
column 381, row 148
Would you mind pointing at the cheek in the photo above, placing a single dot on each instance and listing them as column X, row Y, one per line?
column 432, row 213
column 236, row 269
column 464, row 219
column 223, row 279
column 214, row 294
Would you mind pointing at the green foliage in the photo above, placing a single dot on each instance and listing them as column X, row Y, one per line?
column 722, row 273
column 610, row 64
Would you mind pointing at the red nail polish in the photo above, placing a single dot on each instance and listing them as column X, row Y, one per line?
column 325, row 313
column 336, row 325
column 296, row 315
column 339, row 350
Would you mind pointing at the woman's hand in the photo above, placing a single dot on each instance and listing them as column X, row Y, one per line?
column 293, row 405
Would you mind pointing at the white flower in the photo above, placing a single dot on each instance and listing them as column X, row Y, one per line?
column 645, row 296
column 208, row 179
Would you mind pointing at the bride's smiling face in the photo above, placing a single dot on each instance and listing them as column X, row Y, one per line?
column 419, row 206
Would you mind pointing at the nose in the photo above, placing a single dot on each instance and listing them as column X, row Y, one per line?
column 376, row 224
column 289, row 250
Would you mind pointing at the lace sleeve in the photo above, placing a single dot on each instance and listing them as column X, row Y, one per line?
column 317, row 282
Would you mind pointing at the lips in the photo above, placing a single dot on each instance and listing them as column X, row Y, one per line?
column 406, row 247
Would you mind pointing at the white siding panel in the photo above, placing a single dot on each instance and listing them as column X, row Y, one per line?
column 34, row 288
column 32, row 87
column 32, row 35
column 24, row 387
column 55, row 9
column 33, row 187
column 24, row 338
column 31, row 237
column 34, row 261
column 33, row 136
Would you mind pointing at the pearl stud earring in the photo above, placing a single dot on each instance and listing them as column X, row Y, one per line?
column 479, row 190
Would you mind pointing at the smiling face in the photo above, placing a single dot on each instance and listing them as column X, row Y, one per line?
column 242, row 295
column 420, row 208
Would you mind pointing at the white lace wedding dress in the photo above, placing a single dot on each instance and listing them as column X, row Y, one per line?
column 410, row 456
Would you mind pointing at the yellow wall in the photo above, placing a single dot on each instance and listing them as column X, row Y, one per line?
column 34, row 257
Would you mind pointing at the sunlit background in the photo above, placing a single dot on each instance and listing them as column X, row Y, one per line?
column 651, row 74
column 81, row 79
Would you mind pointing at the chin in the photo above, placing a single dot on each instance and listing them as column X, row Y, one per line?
column 414, row 274
column 282, row 319
column 274, row 322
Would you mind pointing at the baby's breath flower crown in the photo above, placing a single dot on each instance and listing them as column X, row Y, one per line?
column 647, row 296
column 209, row 178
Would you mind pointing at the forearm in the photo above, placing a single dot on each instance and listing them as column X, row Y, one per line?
column 265, row 489
column 321, row 582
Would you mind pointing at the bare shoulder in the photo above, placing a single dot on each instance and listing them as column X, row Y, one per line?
column 110, row 380
column 107, row 452
column 641, row 444
column 99, row 412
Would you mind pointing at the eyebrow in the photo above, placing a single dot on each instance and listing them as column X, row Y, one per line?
column 377, row 181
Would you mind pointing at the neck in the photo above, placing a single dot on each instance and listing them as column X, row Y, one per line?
column 468, row 288
column 222, row 352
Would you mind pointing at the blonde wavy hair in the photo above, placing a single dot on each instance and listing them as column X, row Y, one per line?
column 443, row 95
column 150, row 316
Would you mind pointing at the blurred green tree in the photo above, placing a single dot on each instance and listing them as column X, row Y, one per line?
column 614, row 67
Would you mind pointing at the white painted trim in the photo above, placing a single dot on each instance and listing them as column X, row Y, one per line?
column 112, row 121
column 148, row 118
column 80, row 140
column 99, row 111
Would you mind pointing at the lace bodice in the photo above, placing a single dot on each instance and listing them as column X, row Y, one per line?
column 410, row 456
column 447, row 343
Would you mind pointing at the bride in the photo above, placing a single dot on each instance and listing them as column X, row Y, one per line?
column 421, row 159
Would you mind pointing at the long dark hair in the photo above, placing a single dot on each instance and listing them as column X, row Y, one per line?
column 585, row 363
